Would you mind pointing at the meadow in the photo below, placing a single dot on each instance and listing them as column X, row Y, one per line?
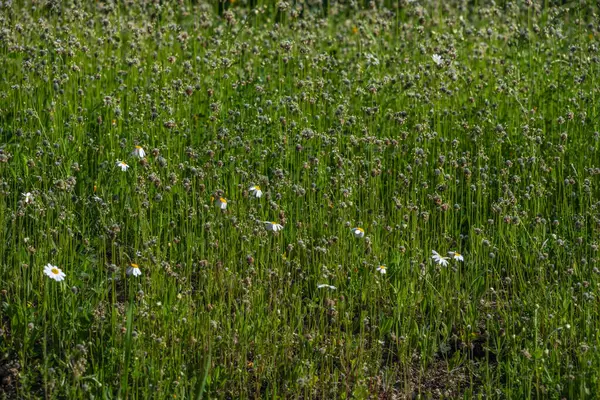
column 299, row 200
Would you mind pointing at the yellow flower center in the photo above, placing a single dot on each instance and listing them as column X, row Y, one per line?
column 135, row 266
column 222, row 200
column 257, row 187
column 360, row 229
column 138, row 147
column 55, row 271
column 456, row 254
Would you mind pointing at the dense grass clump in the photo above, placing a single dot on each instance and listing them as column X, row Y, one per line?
column 182, row 186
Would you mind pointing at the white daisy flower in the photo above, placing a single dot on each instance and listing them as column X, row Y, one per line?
column 326, row 286
column 123, row 165
column 255, row 190
column 438, row 259
column 139, row 152
column 134, row 270
column 382, row 269
column 222, row 203
column 456, row 255
column 437, row 59
column 28, row 197
column 54, row 272
column 273, row 226
column 358, row 232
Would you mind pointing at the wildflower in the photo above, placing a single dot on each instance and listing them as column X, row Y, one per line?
column 382, row 269
column 438, row 259
column 123, row 165
column 326, row 286
column 437, row 59
column 139, row 152
column 134, row 270
column 222, row 203
column 255, row 190
column 456, row 255
column 273, row 226
column 28, row 197
column 358, row 232
column 54, row 272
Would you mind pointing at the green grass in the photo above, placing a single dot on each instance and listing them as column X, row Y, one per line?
column 341, row 115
